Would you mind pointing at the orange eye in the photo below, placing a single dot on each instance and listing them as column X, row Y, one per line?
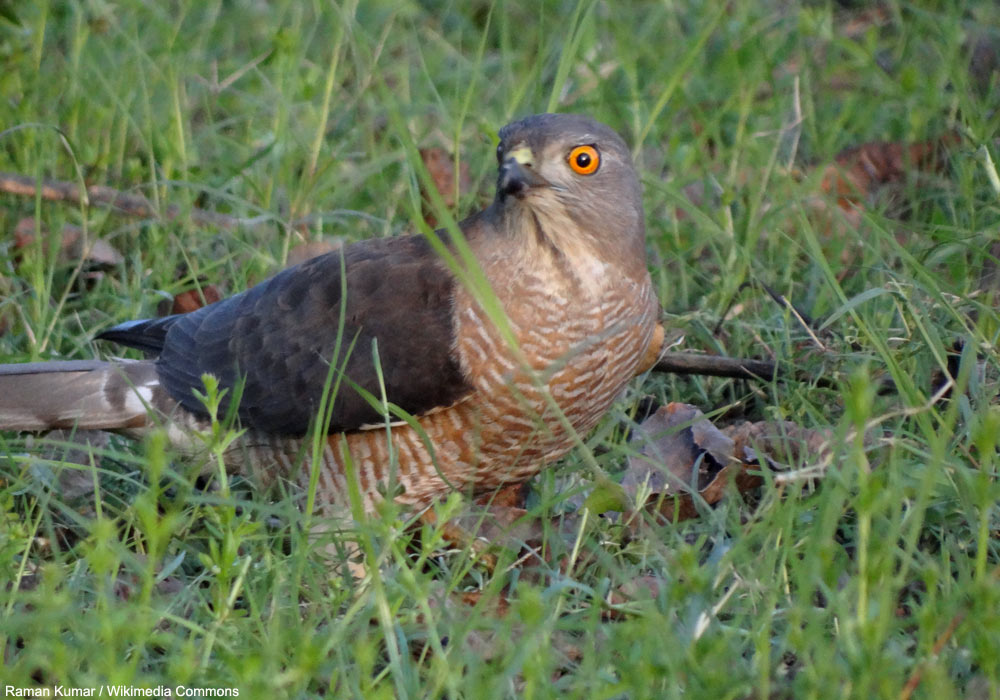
column 584, row 160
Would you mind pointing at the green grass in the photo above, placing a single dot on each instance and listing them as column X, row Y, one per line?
column 307, row 112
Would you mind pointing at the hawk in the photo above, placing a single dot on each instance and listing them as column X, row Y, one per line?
column 458, row 361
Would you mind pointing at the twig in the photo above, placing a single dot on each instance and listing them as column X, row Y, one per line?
column 918, row 672
column 715, row 366
column 731, row 367
column 127, row 204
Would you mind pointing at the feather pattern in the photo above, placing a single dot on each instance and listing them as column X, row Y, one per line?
column 279, row 339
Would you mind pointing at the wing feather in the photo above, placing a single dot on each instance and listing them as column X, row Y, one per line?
column 279, row 337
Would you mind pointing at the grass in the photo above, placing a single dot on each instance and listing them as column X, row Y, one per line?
column 883, row 572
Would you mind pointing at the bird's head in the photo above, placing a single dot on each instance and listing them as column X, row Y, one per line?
column 573, row 178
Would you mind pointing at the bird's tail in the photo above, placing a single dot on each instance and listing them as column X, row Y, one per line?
column 90, row 395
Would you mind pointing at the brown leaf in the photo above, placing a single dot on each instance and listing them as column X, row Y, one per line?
column 679, row 449
column 670, row 443
column 502, row 526
column 441, row 167
column 451, row 607
column 640, row 588
column 487, row 640
column 864, row 175
column 681, row 453
column 194, row 299
column 129, row 584
column 497, row 606
column 855, row 24
column 509, row 496
column 62, row 461
column 858, row 172
column 781, row 444
column 95, row 252
column 483, row 529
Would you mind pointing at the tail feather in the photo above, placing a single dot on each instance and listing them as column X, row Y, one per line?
column 91, row 395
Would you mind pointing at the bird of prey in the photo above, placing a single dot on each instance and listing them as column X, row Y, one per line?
column 494, row 362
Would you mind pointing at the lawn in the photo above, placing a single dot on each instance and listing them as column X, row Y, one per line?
column 873, row 571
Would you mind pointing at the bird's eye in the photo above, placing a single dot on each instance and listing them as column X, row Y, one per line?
column 499, row 151
column 584, row 160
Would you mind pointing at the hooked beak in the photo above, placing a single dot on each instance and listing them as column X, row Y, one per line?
column 517, row 174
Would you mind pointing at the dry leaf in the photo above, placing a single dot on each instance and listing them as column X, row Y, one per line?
column 500, row 525
column 129, row 584
column 97, row 253
column 497, row 606
column 861, row 176
column 197, row 292
column 483, row 528
column 858, row 172
column 490, row 641
column 671, row 442
column 640, row 588
column 856, row 23
column 782, row 444
column 194, row 299
column 680, row 451
column 189, row 300
column 510, row 496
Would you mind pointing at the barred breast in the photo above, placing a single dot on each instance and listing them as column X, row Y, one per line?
column 530, row 404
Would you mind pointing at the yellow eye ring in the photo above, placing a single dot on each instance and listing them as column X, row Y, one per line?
column 584, row 160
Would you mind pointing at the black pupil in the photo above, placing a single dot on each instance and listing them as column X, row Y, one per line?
column 583, row 160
